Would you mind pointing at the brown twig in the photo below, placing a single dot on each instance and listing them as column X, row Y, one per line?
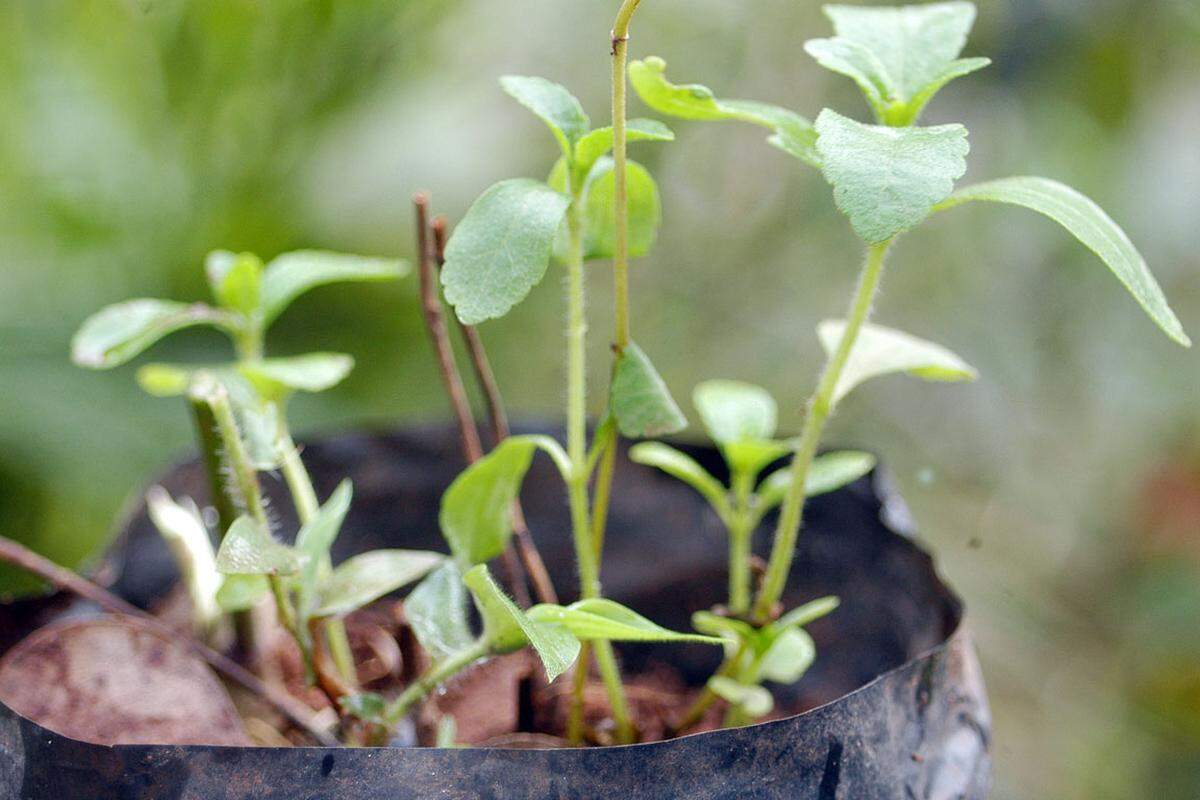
column 64, row 579
column 531, row 559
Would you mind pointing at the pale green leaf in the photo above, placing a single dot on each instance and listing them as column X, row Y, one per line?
column 734, row 410
column 1088, row 223
column 314, row 541
column 641, row 401
column 507, row 628
column 437, row 611
column 118, row 333
column 752, row 456
column 828, row 473
column 793, row 133
column 249, row 549
column 292, row 274
column 601, row 619
column 553, row 104
column 276, row 378
column 682, row 467
column 597, row 143
column 789, row 656
column 955, row 69
column 753, row 701
column 185, row 533
column 887, row 180
column 236, row 281
column 366, row 577
column 728, row 628
column 599, row 209
column 856, row 62
column 501, row 248
column 242, row 592
column 164, row 380
column 476, row 511
column 883, row 351
column 809, row 612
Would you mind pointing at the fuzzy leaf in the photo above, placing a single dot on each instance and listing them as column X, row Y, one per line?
column 553, row 104
column 236, row 280
column 809, row 612
column 292, row 274
column 793, row 133
column 753, row 701
column 606, row 620
column 886, row 180
column 242, row 592
column 599, row 208
column 828, row 473
column 368, row 576
column 591, row 147
column 501, row 248
column 476, row 511
column 1088, row 223
column 507, row 628
column 641, row 401
column 276, row 378
column 249, row 549
column 734, row 410
column 882, row 351
column 789, row 656
column 437, row 610
column 118, row 333
column 682, row 467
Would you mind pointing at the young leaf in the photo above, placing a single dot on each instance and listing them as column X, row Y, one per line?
column 242, row 592
column 276, row 378
column 1088, row 223
column 437, row 611
column 507, row 628
column 314, row 540
column 501, row 248
column 752, row 456
column 728, row 628
column 789, row 656
column 553, row 104
column 886, row 180
column 809, row 612
column 118, row 333
column 828, row 473
column 292, row 274
column 164, row 380
column 249, row 549
column 793, row 133
column 641, row 401
column 882, row 351
column 185, row 533
column 734, row 410
column 368, row 576
column 753, row 701
column 645, row 210
column 236, row 281
column 592, row 146
column 682, row 467
column 606, row 620
column 476, row 511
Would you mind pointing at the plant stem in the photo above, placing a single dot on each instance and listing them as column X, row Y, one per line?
column 820, row 407
column 741, row 529
column 431, row 679
column 620, row 48
column 708, row 696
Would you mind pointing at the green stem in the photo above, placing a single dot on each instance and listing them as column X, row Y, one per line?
column 820, row 407
column 620, row 48
column 741, row 528
column 435, row 676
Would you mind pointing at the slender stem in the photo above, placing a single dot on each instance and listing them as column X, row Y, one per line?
column 620, row 48
column 741, row 528
column 431, row 679
column 604, row 480
column 708, row 696
column 820, row 407
column 610, row 674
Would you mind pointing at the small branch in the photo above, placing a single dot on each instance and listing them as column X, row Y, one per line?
column 299, row 714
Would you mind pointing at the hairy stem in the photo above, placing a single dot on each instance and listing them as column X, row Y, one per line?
column 820, row 407
column 435, row 676
column 620, row 49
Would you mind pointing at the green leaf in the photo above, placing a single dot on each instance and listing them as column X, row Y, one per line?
column 367, row 706
column 641, row 401
column 809, row 612
column 645, row 210
column 733, row 411
column 501, row 248
column 883, row 351
column 183, row 529
column 258, row 421
column 314, row 541
column 1088, row 223
column 236, row 281
column 437, row 611
column 592, row 146
column 753, row 701
column 507, row 628
column 789, row 656
column 553, row 104
column 164, row 380
column 682, row 467
column 292, row 274
column 276, row 378
column 793, row 133
column 886, row 180
column 242, row 592
column 606, row 620
column 118, row 333
column 828, row 473
column 752, row 456
column 249, row 549
column 368, row 576
column 476, row 511
column 728, row 628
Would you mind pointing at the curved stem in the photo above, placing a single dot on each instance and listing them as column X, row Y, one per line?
column 416, row 691
column 820, row 407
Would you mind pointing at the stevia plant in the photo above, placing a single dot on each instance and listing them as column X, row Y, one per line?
column 887, row 178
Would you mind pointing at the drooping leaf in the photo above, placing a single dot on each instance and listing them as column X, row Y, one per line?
column 292, row 274
column 507, row 628
column 682, row 467
column 606, row 620
column 476, row 511
column 276, row 378
column 883, row 351
column 236, row 280
column 1088, row 223
column 597, row 143
column 242, row 592
column 641, row 401
column 437, row 611
column 501, row 248
column 734, row 410
column 185, row 533
column 118, row 333
column 792, row 132
column 790, row 655
column 886, row 180
column 828, row 473
column 249, row 549
column 366, row 577
column 809, row 612
column 753, row 701
column 553, row 104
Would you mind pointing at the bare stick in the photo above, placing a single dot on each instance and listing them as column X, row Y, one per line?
column 66, row 580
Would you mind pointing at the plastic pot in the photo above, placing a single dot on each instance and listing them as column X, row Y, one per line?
column 897, row 703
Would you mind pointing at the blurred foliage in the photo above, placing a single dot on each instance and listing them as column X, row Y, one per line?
column 1061, row 491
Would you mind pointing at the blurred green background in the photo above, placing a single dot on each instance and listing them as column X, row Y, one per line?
column 1061, row 492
